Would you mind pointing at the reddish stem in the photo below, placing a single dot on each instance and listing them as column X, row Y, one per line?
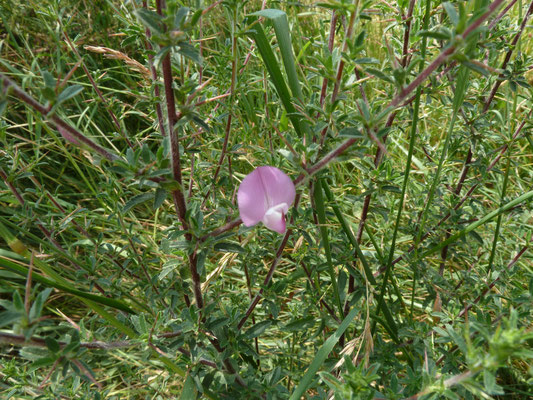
column 14, row 89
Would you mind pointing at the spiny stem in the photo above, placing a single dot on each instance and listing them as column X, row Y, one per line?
column 15, row 90
column 507, row 58
column 441, row 58
column 177, row 194
column 97, row 89
column 270, row 273
column 153, row 71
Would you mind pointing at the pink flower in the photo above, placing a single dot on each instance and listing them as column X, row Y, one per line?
column 265, row 195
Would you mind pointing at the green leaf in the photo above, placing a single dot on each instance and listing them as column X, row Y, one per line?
column 160, row 196
column 158, row 58
column 8, row 317
column 476, row 236
column 189, row 51
column 258, row 329
column 390, row 188
column 477, row 68
column 169, row 267
column 300, row 324
column 195, row 17
column 150, row 19
column 461, row 87
column 52, row 344
column 180, row 16
column 452, row 14
column 439, row 34
column 37, row 306
column 68, row 93
column 42, row 362
column 281, row 27
column 367, row 60
column 48, row 93
column 379, row 74
column 274, row 71
column 351, row 132
column 49, row 80
column 228, row 247
column 17, row 302
column 189, row 391
column 3, row 106
column 136, row 200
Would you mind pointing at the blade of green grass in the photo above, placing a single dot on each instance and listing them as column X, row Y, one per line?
column 366, row 266
column 281, row 27
column 271, row 63
column 22, row 270
column 477, row 224
column 321, row 213
column 321, row 356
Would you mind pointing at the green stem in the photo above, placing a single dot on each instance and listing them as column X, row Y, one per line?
column 319, row 202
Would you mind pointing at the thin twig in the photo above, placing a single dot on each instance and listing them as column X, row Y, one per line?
column 178, row 194
column 507, row 58
column 441, row 58
column 95, row 86
column 14, row 89
column 270, row 273
column 20, row 340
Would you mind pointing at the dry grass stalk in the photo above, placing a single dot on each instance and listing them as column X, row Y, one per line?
column 117, row 55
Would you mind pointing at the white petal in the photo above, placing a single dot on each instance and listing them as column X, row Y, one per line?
column 274, row 218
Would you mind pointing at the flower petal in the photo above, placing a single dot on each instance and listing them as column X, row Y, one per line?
column 278, row 186
column 251, row 198
column 264, row 188
column 274, row 218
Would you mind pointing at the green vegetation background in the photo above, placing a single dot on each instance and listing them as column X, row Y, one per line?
column 407, row 269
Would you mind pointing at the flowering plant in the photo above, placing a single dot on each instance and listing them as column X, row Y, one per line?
column 265, row 195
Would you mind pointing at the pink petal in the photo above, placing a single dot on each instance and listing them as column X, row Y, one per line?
column 251, row 198
column 262, row 189
column 278, row 186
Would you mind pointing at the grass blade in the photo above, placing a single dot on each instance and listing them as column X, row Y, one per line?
column 274, row 71
column 321, row 356
column 22, row 270
column 321, row 213
column 368, row 272
column 477, row 224
column 281, row 27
